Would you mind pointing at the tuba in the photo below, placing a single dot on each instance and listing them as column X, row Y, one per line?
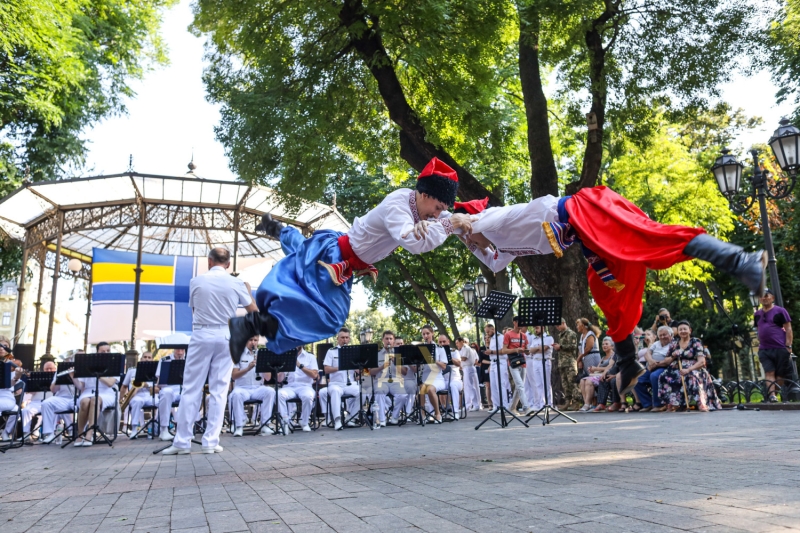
column 135, row 386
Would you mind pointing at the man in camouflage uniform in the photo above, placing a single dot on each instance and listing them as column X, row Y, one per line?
column 567, row 348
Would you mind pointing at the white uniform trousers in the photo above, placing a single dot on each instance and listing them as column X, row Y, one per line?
column 7, row 402
column 456, row 386
column 336, row 391
column 396, row 389
column 208, row 355
column 472, row 391
column 245, row 394
column 28, row 412
column 166, row 397
column 520, row 397
column 505, row 386
column 536, row 383
column 135, row 407
column 296, row 390
column 50, row 407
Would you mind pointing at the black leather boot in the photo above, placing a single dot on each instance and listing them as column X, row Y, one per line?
column 747, row 267
column 270, row 227
column 629, row 369
column 242, row 328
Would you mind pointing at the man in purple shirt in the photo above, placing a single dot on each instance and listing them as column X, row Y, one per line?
column 775, row 341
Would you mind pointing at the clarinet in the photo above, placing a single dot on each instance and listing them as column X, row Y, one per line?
column 390, row 354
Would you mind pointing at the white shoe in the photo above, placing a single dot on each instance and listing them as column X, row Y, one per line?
column 383, row 423
column 584, row 408
column 284, row 428
column 266, row 430
column 166, row 435
column 87, row 443
column 239, row 432
column 211, row 449
column 306, row 428
column 337, row 424
column 4, row 436
column 78, row 443
column 172, row 450
column 352, row 424
column 457, row 415
column 493, row 410
column 47, row 439
column 393, row 421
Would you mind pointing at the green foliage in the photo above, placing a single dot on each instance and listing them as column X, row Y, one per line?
column 784, row 59
column 372, row 318
column 63, row 66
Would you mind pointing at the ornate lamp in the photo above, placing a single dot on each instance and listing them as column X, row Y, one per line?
column 468, row 293
column 785, row 144
column 728, row 173
column 481, row 287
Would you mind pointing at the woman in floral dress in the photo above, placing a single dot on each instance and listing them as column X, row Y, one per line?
column 686, row 357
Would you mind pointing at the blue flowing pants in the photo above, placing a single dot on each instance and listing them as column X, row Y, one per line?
column 300, row 294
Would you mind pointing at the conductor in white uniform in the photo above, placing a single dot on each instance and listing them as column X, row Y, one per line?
column 214, row 298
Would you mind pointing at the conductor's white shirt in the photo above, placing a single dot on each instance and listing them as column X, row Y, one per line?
column 215, row 296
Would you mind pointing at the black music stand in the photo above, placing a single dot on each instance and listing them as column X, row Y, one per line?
column 449, row 372
column 417, row 355
column 146, row 372
column 63, row 378
column 38, row 382
column 274, row 363
column 322, row 350
column 495, row 306
column 358, row 357
column 543, row 311
column 96, row 366
column 173, row 370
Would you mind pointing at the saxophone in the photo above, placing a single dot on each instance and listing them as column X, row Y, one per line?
column 135, row 386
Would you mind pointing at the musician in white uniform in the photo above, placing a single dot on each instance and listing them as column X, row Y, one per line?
column 31, row 406
column 246, row 387
column 106, row 394
column 167, row 395
column 534, row 382
column 408, row 373
column 214, row 298
column 452, row 378
column 142, row 399
column 63, row 399
column 301, row 385
column 432, row 378
column 388, row 379
column 7, row 400
column 469, row 360
column 340, row 382
column 494, row 348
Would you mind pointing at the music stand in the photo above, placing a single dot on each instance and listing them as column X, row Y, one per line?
column 96, row 366
column 417, row 355
column 38, row 382
column 358, row 357
column 495, row 306
column 543, row 311
column 172, row 374
column 65, row 379
column 146, row 373
column 274, row 363
column 322, row 350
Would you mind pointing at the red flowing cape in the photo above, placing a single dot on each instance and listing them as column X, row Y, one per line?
column 629, row 242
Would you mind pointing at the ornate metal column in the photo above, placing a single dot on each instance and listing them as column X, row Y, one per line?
column 20, row 293
column 88, row 312
column 56, row 275
column 38, row 303
column 235, row 239
column 137, row 283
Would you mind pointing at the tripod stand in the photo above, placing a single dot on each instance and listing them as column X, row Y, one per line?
column 416, row 356
column 146, row 373
column 358, row 357
column 541, row 312
column 173, row 370
column 495, row 306
column 96, row 366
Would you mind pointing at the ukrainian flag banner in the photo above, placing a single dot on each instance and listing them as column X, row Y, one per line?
column 163, row 295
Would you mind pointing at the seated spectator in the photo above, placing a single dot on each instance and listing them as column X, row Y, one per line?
column 646, row 390
column 597, row 375
column 685, row 358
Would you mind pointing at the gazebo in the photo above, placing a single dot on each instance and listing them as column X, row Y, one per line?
column 59, row 223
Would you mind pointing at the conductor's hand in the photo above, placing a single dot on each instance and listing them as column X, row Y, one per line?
column 463, row 222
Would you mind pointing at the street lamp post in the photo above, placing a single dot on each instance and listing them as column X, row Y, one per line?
column 785, row 144
column 473, row 294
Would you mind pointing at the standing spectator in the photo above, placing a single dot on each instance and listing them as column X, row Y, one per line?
column 685, row 357
column 655, row 355
column 567, row 348
column 515, row 341
column 774, row 342
column 589, row 346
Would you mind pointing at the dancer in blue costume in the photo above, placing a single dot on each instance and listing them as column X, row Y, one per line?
column 306, row 295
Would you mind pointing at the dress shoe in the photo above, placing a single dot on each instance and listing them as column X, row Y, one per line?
column 306, row 428
column 166, row 435
column 172, row 450
column 211, row 449
column 238, row 432
column 266, row 430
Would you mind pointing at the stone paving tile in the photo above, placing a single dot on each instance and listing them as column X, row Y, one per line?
column 725, row 472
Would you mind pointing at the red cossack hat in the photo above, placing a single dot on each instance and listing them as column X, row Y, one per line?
column 472, row 207
column 439, row 181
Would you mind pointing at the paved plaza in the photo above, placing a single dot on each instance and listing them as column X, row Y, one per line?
column 718, row 472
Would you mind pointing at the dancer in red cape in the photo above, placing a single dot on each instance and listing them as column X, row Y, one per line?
column 620, row 242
